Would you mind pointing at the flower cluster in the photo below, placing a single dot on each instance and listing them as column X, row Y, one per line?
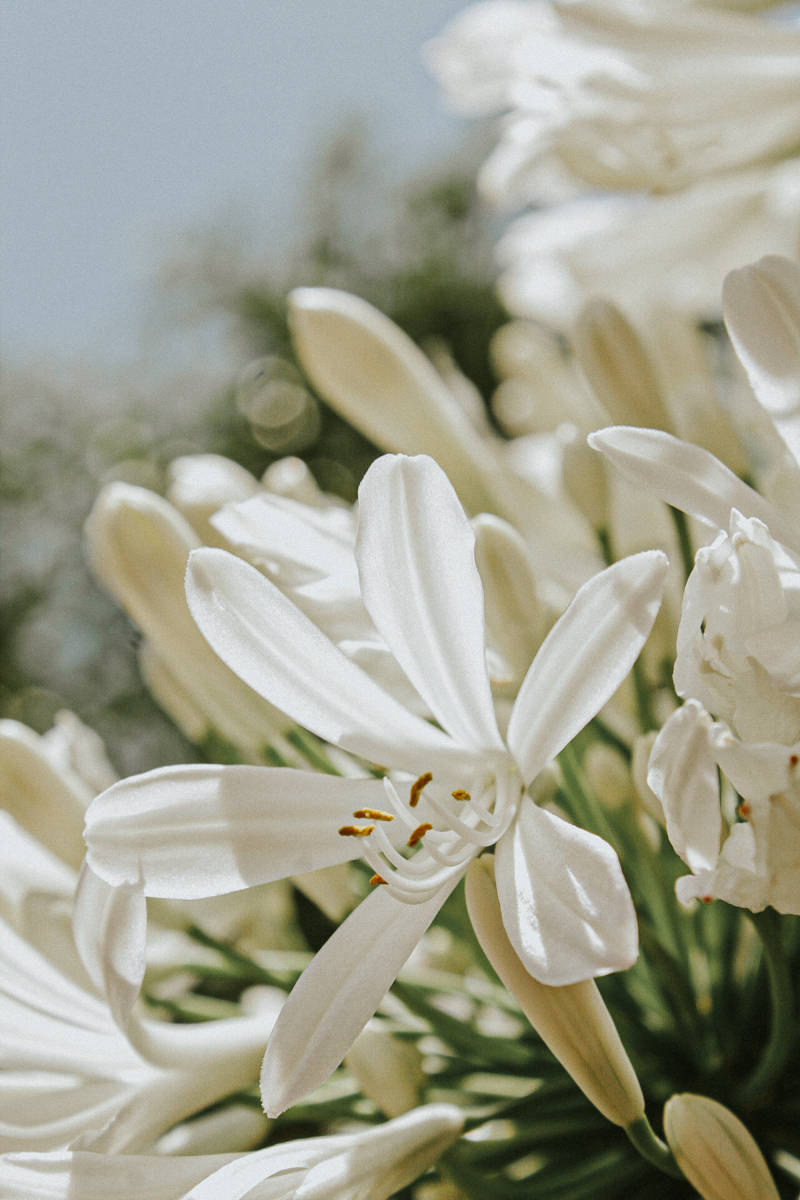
column 557, row 663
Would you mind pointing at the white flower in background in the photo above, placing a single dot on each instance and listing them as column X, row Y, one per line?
column 201, row 830
column 621, row 95
column 644, row 99
column 647, row 252
column 370, row 1164
column 715, row 1151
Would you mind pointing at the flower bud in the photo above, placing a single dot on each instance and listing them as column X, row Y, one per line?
column 572, row 1021
column 618, row 367
column 715, row 1151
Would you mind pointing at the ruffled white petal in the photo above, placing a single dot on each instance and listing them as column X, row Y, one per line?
column 566, row 907
column 683, row 774
column 416, row 559
column 186, row 832
column 585, row 658
column 687, row 477
column 338, row 993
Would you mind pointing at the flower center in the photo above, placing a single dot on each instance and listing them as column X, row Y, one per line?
column 462, row 824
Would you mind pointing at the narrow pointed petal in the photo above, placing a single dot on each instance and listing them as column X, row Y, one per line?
column 186, row 832
column 683, row 775
column 687, row 477
column 380, row 381
column 338, row 993
column 565, row 903
column 416, row 559
column 282, row 655
column 585, row 657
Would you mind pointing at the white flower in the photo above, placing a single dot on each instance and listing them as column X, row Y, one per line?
column 367, row 1165
column 620, row 95
column 200, row 830
column 738, row 650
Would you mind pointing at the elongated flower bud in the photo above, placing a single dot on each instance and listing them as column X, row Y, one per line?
column 572, row 1021
column 715, row 1151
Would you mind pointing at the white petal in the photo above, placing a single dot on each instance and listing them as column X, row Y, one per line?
column 47, row 801
column 186, row 832
column 683, row 774
column 374, row 375
column 338, row 993
column 585, row 658
column 416, row 558
column 275, row 649
column 110, row 927
column 761, row 303
column 687, row 477
column 566, row 907
column 78, row 1175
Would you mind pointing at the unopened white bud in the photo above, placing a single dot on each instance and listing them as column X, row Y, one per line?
column 572, row 1020
column 715, row 1151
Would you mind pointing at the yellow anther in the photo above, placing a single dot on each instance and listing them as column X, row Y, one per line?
column 419, row 833
column 460, row 794
column 375, row 880
column 372, row 814
column 744, row 810
column 356, row 830
column 417, row 786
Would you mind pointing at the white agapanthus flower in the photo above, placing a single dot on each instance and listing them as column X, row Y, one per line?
column 620, row 95
column 369, row 1164
column 456, row 787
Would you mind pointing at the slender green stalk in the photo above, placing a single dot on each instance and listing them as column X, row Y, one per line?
column 782, row 1015
column 650, row 1146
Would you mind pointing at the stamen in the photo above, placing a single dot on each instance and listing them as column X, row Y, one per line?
column 372, row 814
column 419, row 833
column 744, row 810
column 468, row 834
column 356, row 830
column 460, row 794
column 375, row 880
column 417, row 786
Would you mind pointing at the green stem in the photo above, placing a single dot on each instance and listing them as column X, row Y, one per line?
column 684, row 541
column 651, row 1147
column 782, row 1031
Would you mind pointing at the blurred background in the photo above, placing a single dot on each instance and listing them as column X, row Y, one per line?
column 172, row 171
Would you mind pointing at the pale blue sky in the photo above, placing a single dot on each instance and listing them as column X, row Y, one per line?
column 124, row 122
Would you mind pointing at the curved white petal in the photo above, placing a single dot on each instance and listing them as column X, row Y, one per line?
column 186, row 832
column 80, row 1175
column 585, row 658
column 338, row 993
column 416, row 558
column 687, row 477
column 566, row 907
column 761, row 303
column 683, row 774
column 275, row 649
column 110, row 927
